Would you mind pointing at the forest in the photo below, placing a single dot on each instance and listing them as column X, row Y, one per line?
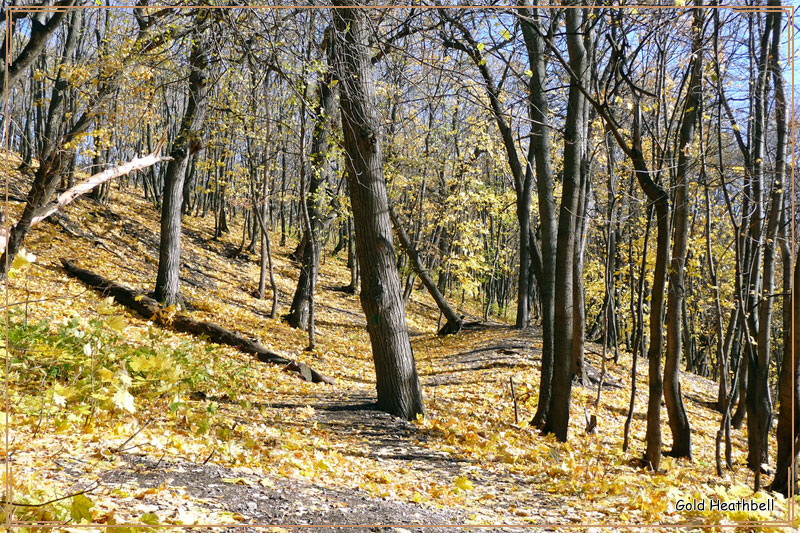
column 400, row 268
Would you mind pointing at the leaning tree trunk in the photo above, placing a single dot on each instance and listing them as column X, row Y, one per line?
column 398, row 385
column 678, row 421
column 151, row 310
column 169, row 252
column 454, row 322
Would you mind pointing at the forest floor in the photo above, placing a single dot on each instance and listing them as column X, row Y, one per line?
column 162, row 427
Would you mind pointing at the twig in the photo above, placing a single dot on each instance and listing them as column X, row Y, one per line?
column 160, row 459
column 41, row 408
column 514, row 395
column 119, row 448
column 210, row 456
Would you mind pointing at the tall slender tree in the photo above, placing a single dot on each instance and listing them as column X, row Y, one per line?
column 558, row 416
column 678, row 421
column 398, row 385
column 167, row 289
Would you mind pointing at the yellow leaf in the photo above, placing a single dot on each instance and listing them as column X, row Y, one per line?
column 117, row 323
column 739, row 491
column 80, row 509
column 150, row 519
column 124, row 401
column 106, row 307
column 22, row 259
column 463, row 483
column 139, row 362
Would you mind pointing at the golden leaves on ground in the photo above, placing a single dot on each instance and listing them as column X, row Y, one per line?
column 90, row 390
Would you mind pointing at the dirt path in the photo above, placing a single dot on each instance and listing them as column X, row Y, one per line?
column 347, row 416
column 280, row 502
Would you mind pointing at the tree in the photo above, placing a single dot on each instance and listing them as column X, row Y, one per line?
column 398, row 386
column 40, row 31
column 678, row 421
column 789, row 395
column 574, row 140
column 313, row 200
column 540, row 139
column 759, row 403
column 61, row 129
column 454, row 322
column 522, row 174
column 167, row 289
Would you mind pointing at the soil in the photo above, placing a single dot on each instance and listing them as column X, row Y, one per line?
column 285, row 503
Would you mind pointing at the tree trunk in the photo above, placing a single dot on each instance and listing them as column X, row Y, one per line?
column 578, row 296
column 454, row 322
column 788, row 434
column 759, row 403
column 150, row 309
column 398, row 385
column 540, row 139
column 169, row 253
column 558, row 416
column 317, row 181
column 678, row 421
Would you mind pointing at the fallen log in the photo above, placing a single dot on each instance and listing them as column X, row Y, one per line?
column 152, row 310
column 90, row 183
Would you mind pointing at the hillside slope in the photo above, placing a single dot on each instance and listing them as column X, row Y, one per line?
column 104, row 400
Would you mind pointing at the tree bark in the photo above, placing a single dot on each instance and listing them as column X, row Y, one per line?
column 678, row 421
column 454, row 322
column 169, row 252
column 759, row 403
column 558, row 415
column 542, row 148
column 398, row 386
column 788, row 433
